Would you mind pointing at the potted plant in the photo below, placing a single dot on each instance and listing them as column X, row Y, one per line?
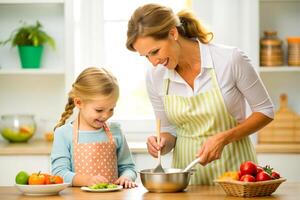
column 30, row 40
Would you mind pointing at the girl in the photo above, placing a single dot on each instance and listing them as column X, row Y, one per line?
column 87, row 151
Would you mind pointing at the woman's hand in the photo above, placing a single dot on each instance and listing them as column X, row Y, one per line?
column 125, row 182
column 167, row 143
column 153, row 147
column 212, row 148
column 95, row 180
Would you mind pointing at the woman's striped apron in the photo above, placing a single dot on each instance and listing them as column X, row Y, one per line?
column 196, row 119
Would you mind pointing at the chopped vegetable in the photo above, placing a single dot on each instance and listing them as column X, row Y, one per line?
column 103, row 186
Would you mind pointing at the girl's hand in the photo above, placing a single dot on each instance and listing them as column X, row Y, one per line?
column 95, row 180
column 125, row 182
column 211, row 149
column 153, row 147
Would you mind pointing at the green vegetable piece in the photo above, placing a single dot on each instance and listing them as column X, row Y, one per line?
column 93, row 186
column 111, row 186
column 102, row 185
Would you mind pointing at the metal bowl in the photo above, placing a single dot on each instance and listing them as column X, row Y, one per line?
column 173, row 180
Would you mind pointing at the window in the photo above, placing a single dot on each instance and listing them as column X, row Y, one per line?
column 128, row 66
column 99, row 40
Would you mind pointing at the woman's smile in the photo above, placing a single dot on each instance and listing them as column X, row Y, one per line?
column 166, row 62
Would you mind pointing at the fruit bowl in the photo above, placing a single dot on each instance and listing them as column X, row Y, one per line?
column 42, row 190
column 250, row 189
column 17, row 128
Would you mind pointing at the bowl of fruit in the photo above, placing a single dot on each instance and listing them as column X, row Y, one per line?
column 17, row 128
column 39, row 184
column 251, row 180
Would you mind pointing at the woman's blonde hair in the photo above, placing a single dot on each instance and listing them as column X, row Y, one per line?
column 90, row 83
column 156, row 21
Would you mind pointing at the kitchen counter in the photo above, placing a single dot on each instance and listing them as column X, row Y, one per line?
column 286, row 191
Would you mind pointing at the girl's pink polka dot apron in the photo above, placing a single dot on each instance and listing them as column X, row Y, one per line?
column 97, row 158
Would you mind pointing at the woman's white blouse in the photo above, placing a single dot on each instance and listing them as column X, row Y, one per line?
column 237, row 79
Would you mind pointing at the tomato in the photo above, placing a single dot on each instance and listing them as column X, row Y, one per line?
column 48, row 179
column 53, row 180
column 249, row 168
column 268, row 169
column 58, row 179
column 275, row 175
column 259, row 169
column 247, row 178
column 263, row 176
column 36, row 179
column 240, row 175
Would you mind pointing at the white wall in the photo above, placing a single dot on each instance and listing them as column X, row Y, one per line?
column 233, row 22
column 89, row 34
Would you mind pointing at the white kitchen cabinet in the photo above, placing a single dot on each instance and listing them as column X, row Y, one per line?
column 41, row 92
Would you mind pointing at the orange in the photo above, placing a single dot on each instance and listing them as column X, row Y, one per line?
column 230, row 175
column 36, row 179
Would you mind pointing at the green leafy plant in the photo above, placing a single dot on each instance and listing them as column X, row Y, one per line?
column 29, row 35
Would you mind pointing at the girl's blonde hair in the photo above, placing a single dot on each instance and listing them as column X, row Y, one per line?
column 90, row 83
column 156, row 21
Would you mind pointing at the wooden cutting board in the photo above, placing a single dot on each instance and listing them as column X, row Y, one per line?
column 285, row 128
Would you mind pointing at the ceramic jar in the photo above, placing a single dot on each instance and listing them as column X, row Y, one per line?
column 271, row 53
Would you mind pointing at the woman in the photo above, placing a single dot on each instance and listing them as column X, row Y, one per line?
column 198, row 90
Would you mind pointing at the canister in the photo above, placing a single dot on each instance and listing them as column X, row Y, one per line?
column 271, row 53
column 293, row 51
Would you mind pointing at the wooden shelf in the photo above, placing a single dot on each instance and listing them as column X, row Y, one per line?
column 49, row 71
column 279, row 69
column 278, row 148
column 280, row 1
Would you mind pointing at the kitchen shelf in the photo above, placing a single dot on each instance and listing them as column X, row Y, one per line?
column 278, row 148
column 41, row 91
column 54, row 71
column 279, row 69
column 285, row 79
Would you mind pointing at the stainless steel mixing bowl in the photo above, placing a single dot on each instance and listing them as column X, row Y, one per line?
column 173, row 180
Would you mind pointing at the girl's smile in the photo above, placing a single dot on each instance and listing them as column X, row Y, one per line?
column 94, row 113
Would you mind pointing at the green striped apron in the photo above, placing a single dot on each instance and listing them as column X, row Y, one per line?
column 196, row 118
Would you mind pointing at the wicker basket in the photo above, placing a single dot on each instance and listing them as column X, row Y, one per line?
column 250, row 189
